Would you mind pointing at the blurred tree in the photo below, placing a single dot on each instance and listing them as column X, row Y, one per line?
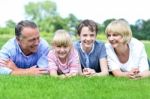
column 43, row 13
column 103, row 26
column 72, row 22
column 139, row 24
column 106, row 22
column 10, row 24
column 146, row 30
column 38, row 11
column 141, row 29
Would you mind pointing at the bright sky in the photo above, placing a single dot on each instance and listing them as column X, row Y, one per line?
column 98, row 10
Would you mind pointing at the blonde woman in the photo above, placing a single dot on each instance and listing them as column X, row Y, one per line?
column 126, row 55
column 63, row 59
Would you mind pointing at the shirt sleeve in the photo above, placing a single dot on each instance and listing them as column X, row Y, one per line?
column 44, row 49
column 75, row 62
column 143, row 63
column 52, row 61
column 5, row 71
column 4, row 55
column 113, row 63
column 102, row 51
column 43, row 61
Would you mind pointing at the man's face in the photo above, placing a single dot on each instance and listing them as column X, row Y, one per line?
column 29, row 40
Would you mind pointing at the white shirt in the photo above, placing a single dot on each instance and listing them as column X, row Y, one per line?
column 137, row 57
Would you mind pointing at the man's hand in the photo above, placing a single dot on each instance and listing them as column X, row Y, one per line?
column 36, row 71
column 30, row 71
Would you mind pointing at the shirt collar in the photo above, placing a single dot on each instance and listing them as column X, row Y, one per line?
column 84, row 51
column 18, row 47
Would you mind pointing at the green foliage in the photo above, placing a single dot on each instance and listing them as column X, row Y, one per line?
column 101, row 36
column 6, row 30
column 45, row 15
column 141, row 29
column 42, row 13
column 106, row 22
column 40, row 10
column 72, row 22
column 46, row 87
column 10, row 24
column 147, row 47
column 47, row 36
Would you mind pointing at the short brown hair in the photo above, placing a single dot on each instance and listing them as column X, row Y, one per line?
column 87, row 23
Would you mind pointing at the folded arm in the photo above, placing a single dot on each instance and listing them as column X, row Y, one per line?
column 14, row 70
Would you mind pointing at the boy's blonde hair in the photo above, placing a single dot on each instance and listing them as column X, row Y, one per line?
column 120, row 27
column 62, row 38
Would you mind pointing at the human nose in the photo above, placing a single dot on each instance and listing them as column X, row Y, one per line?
column 62, row 49
column 37, row 41
column 88, row 38
column 110, row 38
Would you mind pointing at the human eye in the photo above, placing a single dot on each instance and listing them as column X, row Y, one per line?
column 108, row 35
column 115, row 34
column 65, row 46
column 58, row 46
column 92, row 35
column 31, row 40
column 84, row 35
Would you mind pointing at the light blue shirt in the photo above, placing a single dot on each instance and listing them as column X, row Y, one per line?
column 11, row 50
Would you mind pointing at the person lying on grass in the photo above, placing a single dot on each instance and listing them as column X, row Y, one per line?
column 126, row 55
column 63, row 59
column 23, row 54
column 92, row 52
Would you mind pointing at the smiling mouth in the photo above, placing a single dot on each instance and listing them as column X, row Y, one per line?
column 112, row 42
column 88, row 43
column 61, row 53
column 34, row 46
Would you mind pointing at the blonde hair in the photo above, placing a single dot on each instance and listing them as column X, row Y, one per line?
column 120, row 27
column 62, row 38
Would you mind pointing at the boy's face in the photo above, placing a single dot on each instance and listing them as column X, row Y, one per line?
column 87, row 38
column 62, row 51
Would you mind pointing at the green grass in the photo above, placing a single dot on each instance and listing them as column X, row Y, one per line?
column 147, row 47
column 45, row 87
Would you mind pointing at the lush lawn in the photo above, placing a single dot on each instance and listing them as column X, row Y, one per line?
column 147, row 46
column 45, row 87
